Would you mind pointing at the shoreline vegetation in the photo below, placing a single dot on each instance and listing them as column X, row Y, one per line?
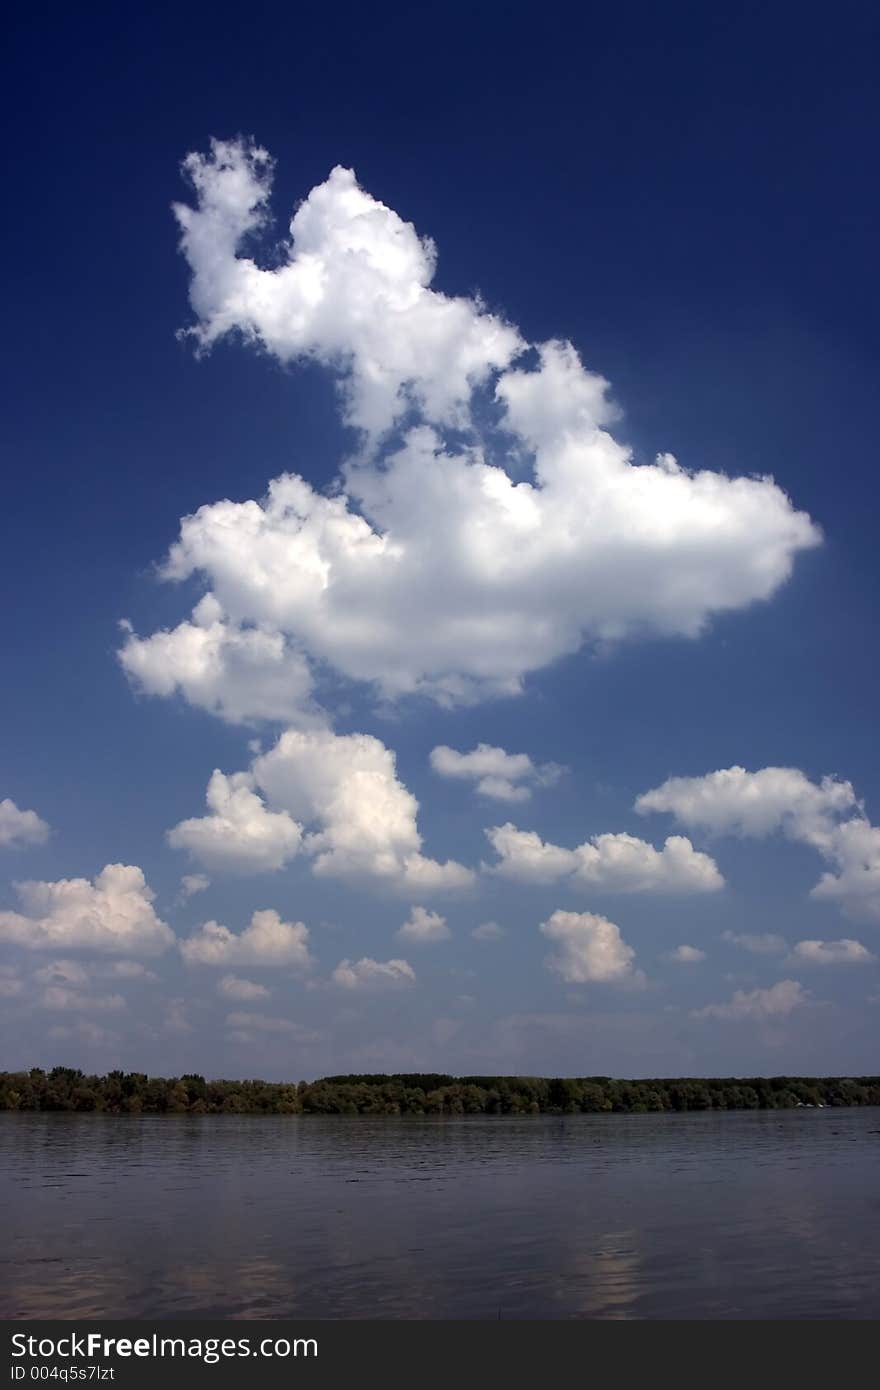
column 135, row 1093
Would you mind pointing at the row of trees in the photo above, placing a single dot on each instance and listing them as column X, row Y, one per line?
column 134, row 1093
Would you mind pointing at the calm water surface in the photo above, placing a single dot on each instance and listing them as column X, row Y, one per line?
column 749, row 1215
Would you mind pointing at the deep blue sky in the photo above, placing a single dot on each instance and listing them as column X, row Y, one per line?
column 687, row 192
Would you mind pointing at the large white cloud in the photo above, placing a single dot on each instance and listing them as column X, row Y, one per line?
column 618, row 863
column 353, row 291
column 498, row 774
column 825, row 815
column 113, row 914
column 434, row 569
column 759, row 1005
column 19, row 828
column 344, row 786
column 588, row 949
column 266, row 941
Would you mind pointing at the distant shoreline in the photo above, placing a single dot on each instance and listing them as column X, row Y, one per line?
column 70, row 1090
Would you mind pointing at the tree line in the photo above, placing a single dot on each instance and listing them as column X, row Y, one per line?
column 135, row 1093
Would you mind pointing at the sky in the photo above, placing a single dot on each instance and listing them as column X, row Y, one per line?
column 439, row 541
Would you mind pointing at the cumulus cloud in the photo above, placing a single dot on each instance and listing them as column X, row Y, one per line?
column 687, row 955
column 233, row 987
column 266, row 941
column 344, row 786
column 236, row 672
column 589, row 949
column 432, row 568
column 240, row 835
column 843, row 952
column 488, row 931
column 613, row 863
column 353, row 291
column 825, row 815
column 760, row 944
column 759, row 1004
column 373, row 974
column 504, row 776
column 113, row 914
column 423, row 927
column 20, row 828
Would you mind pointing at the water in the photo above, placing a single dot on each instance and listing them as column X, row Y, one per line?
column 739, row 1215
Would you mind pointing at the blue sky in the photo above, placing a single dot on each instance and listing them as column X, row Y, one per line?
column 678, row 202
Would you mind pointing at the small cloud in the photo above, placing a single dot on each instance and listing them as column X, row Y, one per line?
column 367, row 973
column 191, row 884
column 496, row 773
column 423, row 927
column 759, row 1004
column 232, row 987
column 768, row 944
column 488, row 931
column 19, row 829
column 266, row 941
column 686, row 955
column 589, row 949
column 843, row 952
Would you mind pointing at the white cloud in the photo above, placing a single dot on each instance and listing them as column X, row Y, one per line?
column 825, row 815
column 20, row 828
column 346, row 787
column 759, row 1004
column 434, row 569
column 736, row 802
column 233, row 987
column 687, row 955
column 423, row 927
column 240, row 835
column 191, row 884
column 760, row 944
column 238, row 673
column 114, row 914
column 488, row 931
column 370, row 974
column 353, row 291
column 613, row 863
column 589, row 949
column 266, row 941
column 843, row 952
column 854, row 849
column 504, row 776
